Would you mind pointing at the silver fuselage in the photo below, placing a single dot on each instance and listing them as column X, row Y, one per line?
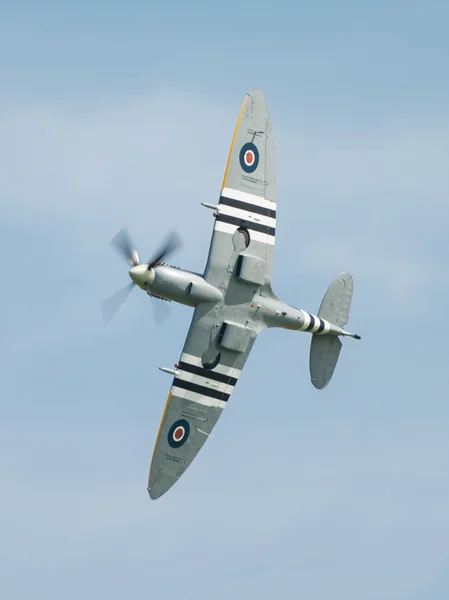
column 190, row 289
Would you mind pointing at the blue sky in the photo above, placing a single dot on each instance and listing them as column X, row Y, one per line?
column 122, row 114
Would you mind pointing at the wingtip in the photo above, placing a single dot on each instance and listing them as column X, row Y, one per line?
column 152, row 496
column 318, row 385
column 161, row 488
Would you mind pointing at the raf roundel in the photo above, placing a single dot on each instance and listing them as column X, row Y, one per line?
column 178, row 433
column 249, row 157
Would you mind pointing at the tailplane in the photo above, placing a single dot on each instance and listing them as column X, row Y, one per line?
column 325, row 349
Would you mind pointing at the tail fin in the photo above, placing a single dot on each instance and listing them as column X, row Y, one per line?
column 325, row 349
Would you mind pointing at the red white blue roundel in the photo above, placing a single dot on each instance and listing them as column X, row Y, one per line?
column 178, row 433
column 249, row 157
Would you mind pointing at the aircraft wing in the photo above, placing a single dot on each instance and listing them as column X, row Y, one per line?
column 196, row 400
column 222, row 334
column 248, row 194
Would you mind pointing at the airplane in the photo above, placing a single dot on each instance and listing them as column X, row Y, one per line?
column 233, row 300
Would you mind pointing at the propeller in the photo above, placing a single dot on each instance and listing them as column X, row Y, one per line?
column 122, row 243
column 124, row 246
column 171, row 244
column 111, row 305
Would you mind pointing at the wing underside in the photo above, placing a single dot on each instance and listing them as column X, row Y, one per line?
column 196, row 401
column 221, row 335
column 248, row 195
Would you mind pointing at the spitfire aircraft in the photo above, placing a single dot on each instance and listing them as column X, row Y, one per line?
column 233, row 300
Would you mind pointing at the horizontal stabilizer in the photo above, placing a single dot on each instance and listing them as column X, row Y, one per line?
column 336, row 303
column 324, row 353
column 325, row 349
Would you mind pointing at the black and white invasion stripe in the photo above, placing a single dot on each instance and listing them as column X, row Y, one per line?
column 240, row 209
column 314, row 324
column 204, row 386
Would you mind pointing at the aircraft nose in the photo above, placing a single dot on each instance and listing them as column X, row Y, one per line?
column 141, row 275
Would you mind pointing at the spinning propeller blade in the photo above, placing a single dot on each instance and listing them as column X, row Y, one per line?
column 111, row 305
column 171, row 244
column 123, row 244
column 161, row 309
